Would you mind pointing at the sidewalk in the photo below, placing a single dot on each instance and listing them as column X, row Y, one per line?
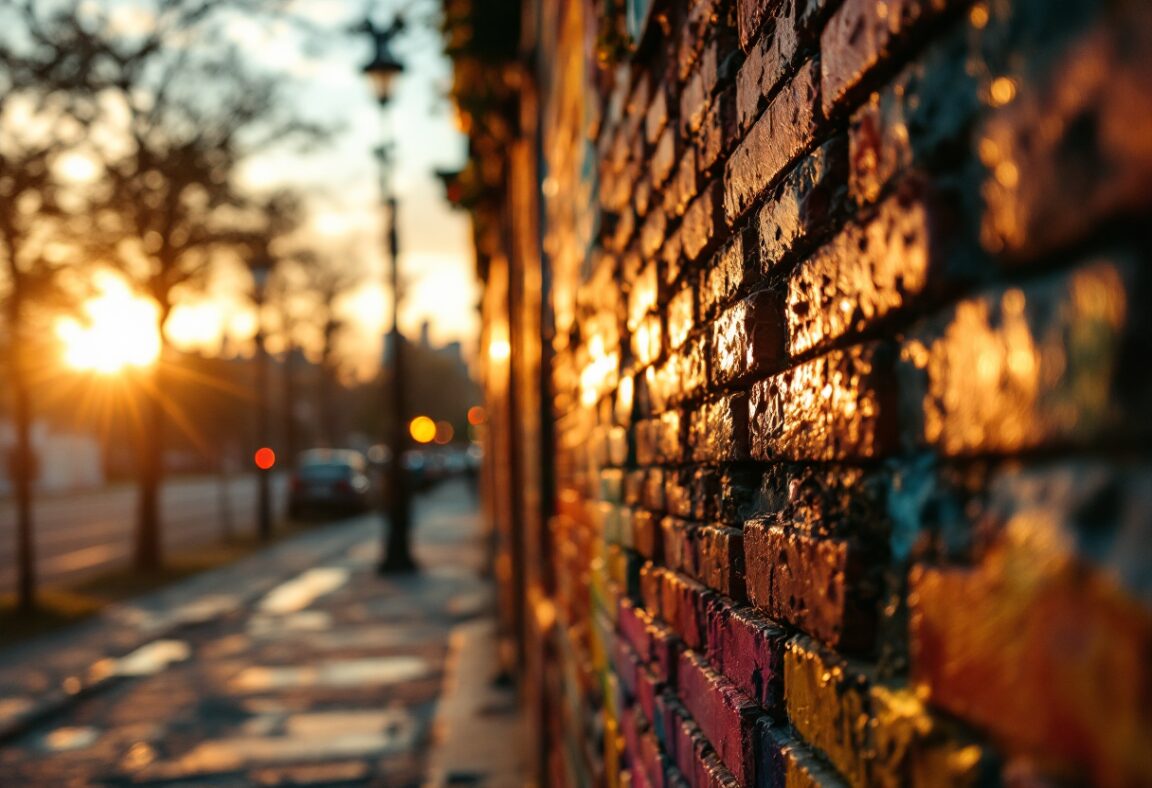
column 296, row 666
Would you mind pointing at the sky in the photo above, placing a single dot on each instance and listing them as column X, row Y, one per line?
column 342, row 177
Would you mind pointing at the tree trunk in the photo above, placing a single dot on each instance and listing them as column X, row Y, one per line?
column 148, row 555
column 23, row 474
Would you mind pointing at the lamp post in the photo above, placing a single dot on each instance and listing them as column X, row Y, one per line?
column 396, row 551
column 261, row 268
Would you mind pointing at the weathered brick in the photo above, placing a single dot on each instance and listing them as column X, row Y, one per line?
column 861, row 35
column 748, row 338
column 678, row 492
column 646, row 538
column 1050, row 647
column 749, row 650
column 697, row 760
column 1055, row 362
column 697, row 93
column 663, row 158
column 656, row 118
column 771, row 56
column 703, row 220
column 705, row 493
column 738, row 498
column 750, row 15
column 921, row 120
column 683, row 186
column 724, row 276
column 665, row 652
column 700, row 20
column 681, row 545
column 680, row 377
column 805, row 204
column 824, row 587
column 720, row 553
column 828, row 704
column 683, row 608
column 719, row 132
column 837, row 407
column 784, row 130
column 718, row 430
column 724, row 714
column 864, row 274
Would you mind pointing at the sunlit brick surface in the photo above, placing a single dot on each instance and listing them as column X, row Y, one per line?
column 846, row 341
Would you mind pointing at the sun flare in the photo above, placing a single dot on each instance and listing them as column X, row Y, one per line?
column 118, row 330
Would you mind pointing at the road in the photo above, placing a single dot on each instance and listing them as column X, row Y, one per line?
column 83, row 534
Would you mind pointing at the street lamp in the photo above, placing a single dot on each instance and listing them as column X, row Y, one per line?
column 396, row 550
column 261, row 268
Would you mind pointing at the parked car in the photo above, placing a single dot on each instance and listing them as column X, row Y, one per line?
column 329, row 481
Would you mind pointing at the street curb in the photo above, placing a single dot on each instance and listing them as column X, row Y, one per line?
column 90, row 678
column 477, row 721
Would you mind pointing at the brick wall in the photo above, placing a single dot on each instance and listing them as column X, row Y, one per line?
column 832, row 321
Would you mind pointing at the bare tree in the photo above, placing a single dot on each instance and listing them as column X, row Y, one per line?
column 31, row 231
column 177, row 111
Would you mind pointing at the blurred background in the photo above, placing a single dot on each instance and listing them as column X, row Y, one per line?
column 195, row 265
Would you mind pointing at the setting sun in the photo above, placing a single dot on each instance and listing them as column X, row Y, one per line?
column 118, row 330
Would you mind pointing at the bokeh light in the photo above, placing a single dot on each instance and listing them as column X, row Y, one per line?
column 422, row 429
column 477, row 415
column 444, row 432
column 119, row 329
column 265, row 458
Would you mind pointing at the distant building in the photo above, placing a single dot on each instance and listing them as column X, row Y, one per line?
column 66, row 460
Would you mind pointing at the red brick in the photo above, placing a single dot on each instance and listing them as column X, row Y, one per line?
column 861, row 35
column 750, row 16
column 700, row 20
column 806, row 203
column 718, row 430
column 720, row 553
column 683, row 606
column 865, row 273
column 646, row 537
column 682, row 188
column 718, row 133
column 748, row 339
column 663, row 158
column 769, row 59
column 725, row 275
column 820, row 586
column 781, row 134
column 680, row 377
column 680, row 542
column 749, row 650
column 697, row 94
column 837, row 407
column 703, row 221
column 724, row 714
